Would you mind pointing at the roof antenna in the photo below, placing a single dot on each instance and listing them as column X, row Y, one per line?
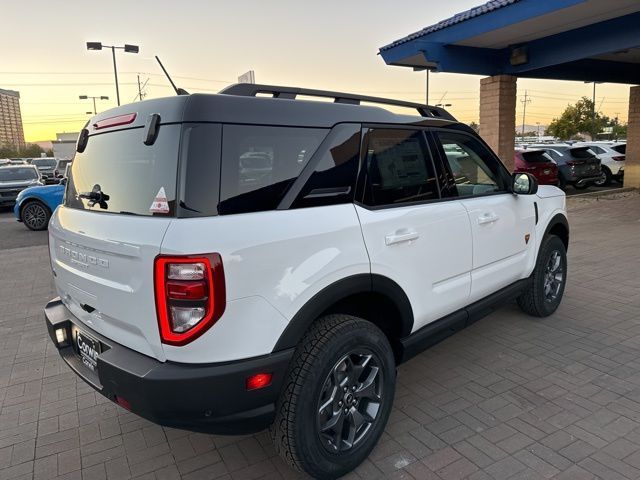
column 179, row 91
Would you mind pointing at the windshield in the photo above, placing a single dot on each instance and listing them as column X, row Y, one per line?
column 17, row 174
column 132, row 177
column 44, row 162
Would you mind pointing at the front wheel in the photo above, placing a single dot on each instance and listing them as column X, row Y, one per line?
column 35, row 215
column 544, row 294
column 337, row 400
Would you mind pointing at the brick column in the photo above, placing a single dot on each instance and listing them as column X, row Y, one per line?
column 498, row 115
column 632, row 164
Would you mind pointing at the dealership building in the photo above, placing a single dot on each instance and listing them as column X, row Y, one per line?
column 11, row 131
column 503, row 40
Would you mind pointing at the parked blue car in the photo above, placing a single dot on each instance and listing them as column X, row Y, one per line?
column 35, row 205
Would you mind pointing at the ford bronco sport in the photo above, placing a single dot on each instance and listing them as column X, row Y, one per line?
column 231, row 262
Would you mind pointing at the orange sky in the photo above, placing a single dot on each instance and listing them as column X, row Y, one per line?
column 205, row 45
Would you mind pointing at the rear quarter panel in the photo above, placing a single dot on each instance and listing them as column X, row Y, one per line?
column 274, row 262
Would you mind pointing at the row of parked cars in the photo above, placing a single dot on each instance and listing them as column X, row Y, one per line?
column 577, row 164
column 34, row 187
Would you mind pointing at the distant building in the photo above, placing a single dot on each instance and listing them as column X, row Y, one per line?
column 11, row 130
column 64, row 146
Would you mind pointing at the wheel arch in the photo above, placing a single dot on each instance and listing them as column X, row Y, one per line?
column 373, row 297
column 559, row 226
column 28, row 200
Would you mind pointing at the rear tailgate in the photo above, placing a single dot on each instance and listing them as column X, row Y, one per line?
column 119, row 202
column 104, row 273
column 584, row 162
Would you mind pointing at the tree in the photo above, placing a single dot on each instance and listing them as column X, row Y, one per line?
column 475, row 127
column 576, row 119
column 30, row 150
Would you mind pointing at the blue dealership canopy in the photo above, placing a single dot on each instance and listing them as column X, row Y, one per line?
column 590, row 40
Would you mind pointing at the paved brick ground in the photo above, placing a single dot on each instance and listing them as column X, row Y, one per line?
column 511, row 397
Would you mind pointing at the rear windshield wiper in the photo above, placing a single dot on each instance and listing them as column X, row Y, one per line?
column 95, row 196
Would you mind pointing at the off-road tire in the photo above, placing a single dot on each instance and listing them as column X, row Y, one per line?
column 533, row 300
column 295, row 432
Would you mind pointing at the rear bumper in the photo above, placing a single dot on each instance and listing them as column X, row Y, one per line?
column 206, row 398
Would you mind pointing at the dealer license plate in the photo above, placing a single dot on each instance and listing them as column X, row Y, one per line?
column 89, row 349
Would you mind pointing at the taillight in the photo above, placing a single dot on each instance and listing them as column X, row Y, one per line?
column 190, row 296
column 619, row 158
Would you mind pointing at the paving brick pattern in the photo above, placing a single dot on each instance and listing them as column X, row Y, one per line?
column 511, row 397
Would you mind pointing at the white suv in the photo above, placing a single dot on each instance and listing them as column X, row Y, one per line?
column 612, row 157
column 230, row 262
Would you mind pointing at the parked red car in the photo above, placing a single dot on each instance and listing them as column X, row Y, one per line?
column 539, row 164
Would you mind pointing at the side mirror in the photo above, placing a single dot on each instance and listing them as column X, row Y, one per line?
column 524, row 184
column 44, row 177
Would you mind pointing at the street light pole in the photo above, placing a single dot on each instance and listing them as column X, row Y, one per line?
column 127, row 48
column 115, row 72
column 86, row 97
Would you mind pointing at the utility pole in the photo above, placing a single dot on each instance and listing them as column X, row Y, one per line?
column 524, row 101
column 139, row 88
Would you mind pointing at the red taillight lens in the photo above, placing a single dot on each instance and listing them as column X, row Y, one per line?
column 619, row 158
column 190, row 296
column 259, row 380
column 115, row 121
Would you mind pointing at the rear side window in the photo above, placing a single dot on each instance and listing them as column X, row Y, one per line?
column 537, row 157
column 399, row 168
column 260, row 163
column 139, row 179
column 333, row 180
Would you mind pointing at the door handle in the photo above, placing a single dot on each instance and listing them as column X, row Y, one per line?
column 401, row 237
column 487, row 218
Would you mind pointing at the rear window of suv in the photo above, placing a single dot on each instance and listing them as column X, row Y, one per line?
column 135, row 176
column 538, row 156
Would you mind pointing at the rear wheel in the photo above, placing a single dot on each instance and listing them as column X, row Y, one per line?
column 544, row 293
column 338, row 397
column 605, row 181
column 35, row 215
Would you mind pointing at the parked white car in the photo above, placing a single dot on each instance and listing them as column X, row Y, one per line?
column 231, row 262
column 612, row 157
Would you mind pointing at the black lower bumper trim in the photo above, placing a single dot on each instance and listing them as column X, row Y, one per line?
column 206, row 398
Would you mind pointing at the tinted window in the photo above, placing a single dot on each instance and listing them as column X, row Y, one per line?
column 200, row 174
column 44, row 162
column 399, row 168
column 17, row 174
column 475, row 170
column 597, row 150
column 131, row 173
column 620, row 148
column 538, row 156
column 260, row 163
column 333, row 179
column 557, row 156
column 582, row 152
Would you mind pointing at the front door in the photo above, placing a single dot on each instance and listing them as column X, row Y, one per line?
column 503, row 224
column 412, row 236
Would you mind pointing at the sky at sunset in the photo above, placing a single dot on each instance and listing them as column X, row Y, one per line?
column 205, row 45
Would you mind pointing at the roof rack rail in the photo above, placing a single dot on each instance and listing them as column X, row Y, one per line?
column 290, row 93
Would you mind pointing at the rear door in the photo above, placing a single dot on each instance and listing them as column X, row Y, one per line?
column 119, row 202
column 413, row 238
column 503, row 224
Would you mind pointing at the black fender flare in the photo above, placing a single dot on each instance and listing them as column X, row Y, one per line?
column 558, row 219
column 340, row 290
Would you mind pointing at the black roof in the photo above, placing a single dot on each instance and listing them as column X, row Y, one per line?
column 241, row 104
